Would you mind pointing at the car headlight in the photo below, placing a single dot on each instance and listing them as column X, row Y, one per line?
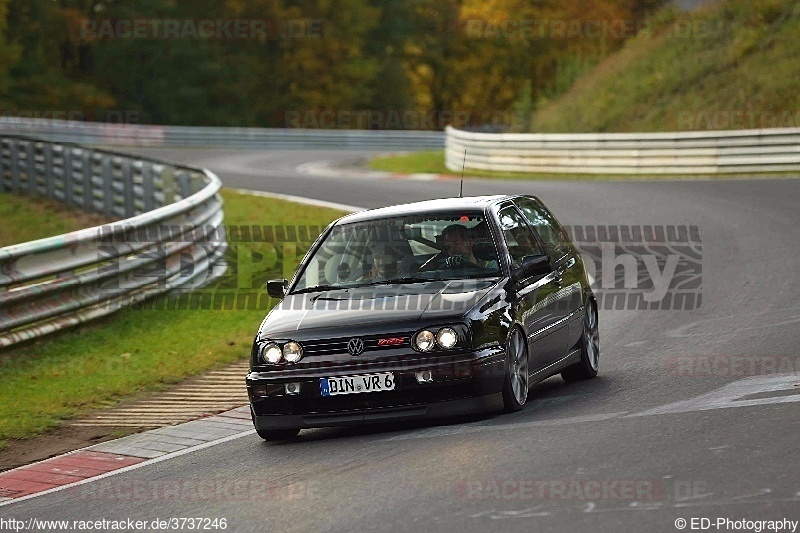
column 440, row 338
column 425, row 340
column 446, row 338
column 292, row 352
column 271, row 353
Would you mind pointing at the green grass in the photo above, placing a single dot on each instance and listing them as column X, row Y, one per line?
column 136, row 350
column 27, row 218
column 433, row 163
column 732, row 65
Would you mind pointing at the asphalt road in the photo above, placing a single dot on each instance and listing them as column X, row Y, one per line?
column 635, row 449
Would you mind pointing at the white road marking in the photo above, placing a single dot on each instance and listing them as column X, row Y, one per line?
column 731, row 395
column 301, row 200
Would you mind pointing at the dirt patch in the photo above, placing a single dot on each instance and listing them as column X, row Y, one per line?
column 58, row 441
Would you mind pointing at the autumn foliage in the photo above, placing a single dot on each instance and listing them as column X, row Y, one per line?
column 379, row 64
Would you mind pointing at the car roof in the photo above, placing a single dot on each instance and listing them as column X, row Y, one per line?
column 443, row 204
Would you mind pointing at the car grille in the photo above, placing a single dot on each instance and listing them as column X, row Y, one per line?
column 339, row 346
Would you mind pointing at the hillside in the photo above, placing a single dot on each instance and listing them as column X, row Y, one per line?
column 731, row 65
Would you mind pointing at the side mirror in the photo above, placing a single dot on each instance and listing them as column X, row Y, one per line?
column 532, row 265
column 276, row 288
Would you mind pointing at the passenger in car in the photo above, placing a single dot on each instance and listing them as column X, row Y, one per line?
column 384, row 264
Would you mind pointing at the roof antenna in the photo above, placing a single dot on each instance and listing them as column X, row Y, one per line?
column 463, row 164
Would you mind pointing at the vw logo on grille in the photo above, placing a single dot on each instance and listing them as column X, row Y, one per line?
column 355, row 346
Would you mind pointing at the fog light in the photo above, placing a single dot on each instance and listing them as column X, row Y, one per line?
column 258, row 390
column 292, row 388
column 426, row 376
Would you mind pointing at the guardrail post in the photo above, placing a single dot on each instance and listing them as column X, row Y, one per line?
column 14, row 156
column 88, row 185
column 184, row 184
column 68, row 192
column 127, row 188
column 108, row 198
column 30, row 166
column 147, row 186
column 47, row 151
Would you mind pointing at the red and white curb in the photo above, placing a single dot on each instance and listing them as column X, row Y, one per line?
column 121, row 455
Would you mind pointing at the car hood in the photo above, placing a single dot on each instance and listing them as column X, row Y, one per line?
column 362, row 308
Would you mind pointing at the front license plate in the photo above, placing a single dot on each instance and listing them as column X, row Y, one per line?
column 357, row 384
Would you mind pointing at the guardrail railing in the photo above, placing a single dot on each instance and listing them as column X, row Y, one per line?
column 178, row 136
column 169, row 234
column 697, row 152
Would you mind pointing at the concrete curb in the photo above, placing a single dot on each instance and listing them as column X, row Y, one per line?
column 121, row 455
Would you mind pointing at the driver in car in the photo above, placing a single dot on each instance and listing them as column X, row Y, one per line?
column 458, row 245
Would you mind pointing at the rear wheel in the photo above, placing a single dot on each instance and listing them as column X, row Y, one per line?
column 590, row 348
column 515, row 385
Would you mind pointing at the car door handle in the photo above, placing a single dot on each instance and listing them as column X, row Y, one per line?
column 569, row 264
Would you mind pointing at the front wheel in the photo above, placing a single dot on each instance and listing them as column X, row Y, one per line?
column 587, row 367
column 515, row 385
column 278, row 434
column 274, row 434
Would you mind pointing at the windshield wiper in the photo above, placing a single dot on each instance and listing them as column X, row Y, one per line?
column 319, row 288
column 400, row 280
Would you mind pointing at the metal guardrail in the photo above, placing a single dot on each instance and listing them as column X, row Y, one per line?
column 700, row 152
column 170, row 235
column 179, row 136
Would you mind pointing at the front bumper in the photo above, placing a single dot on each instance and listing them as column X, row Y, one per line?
column 463, row 383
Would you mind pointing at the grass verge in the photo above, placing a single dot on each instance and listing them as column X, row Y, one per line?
column 432, row 162
column 138, row 350
column 727, row 65
column 27, row 218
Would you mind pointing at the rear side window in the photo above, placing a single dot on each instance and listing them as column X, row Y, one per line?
column 517, row 235
column 552, row 234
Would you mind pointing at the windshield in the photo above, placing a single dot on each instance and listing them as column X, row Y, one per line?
column 405, row 249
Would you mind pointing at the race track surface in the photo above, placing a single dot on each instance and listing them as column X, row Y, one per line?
column 693, row 413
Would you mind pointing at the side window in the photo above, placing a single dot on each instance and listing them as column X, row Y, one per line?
column 517, row 235
column 552, row 234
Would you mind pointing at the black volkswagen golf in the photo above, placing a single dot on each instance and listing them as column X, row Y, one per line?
column 428, row 309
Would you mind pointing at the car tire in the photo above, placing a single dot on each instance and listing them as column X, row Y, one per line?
column 275, row 434
column 515, row 383
column 587, row 367
column 278, row 434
